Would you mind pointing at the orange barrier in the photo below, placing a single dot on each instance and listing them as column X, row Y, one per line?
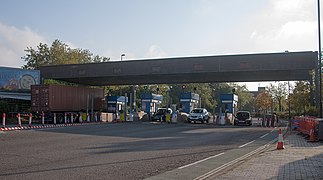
column 307, row 125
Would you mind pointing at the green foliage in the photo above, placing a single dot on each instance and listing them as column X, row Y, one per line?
column 278, row 93
column 245, row 98
column 58, row 53
column 300, row 99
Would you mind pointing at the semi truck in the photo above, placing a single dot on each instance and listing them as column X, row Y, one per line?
column 61, row 101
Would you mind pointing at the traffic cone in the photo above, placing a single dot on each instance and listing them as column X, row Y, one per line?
column 280, row 144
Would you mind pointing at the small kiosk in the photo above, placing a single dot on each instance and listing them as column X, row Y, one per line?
column 228, row 107
column 116, row 104
column 150, row 102
column 188, row 101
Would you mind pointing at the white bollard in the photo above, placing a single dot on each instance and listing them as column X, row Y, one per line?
column 96, row 117
column 72, row 117
column 80, row 118
column 55, row 118
column 4, row 120
column 30, row 119
column 88, row 117
column 65, row 118
column 19, row 120
column 42, row 119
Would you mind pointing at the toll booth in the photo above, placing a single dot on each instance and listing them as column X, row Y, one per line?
column 228, row 108
column 115, row 104
column 150, row 102
column 188, row 101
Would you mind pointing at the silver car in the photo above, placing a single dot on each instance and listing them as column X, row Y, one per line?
column 198, row 114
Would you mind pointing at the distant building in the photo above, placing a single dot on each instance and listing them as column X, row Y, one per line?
column 256, row 93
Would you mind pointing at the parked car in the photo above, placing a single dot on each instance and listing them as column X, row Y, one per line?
column 160, row 114
column 198, row 114
column 243, row 118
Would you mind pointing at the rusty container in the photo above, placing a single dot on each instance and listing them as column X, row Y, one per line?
column 60, row 98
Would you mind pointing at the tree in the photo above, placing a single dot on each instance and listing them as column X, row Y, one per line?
column 58, row 53
column 278, row 93
column 244, row 96
column 301, row 98
column 263, row 101
column 35, row 59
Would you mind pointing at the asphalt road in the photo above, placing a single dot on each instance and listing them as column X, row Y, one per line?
column 124, row 151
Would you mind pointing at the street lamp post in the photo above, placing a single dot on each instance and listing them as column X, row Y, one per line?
column 122, row 55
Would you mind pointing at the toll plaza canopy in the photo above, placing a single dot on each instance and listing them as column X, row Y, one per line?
column 287, row 66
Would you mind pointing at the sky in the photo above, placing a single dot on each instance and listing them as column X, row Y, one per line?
column 144, row 29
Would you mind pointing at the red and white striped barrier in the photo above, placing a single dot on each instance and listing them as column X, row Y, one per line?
column 42, row 127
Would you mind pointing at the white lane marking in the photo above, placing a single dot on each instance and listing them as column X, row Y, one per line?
column 224, row 166
column 264, row 135
column 246, row 144
column 200, row 161
column 272, row 130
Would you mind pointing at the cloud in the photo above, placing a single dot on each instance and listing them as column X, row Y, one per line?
column 13, row 42
column 286, row 25
column 155, row 51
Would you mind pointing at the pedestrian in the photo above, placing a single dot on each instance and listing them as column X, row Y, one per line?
column 277, row 121
column 268, row 118
column 273, row 120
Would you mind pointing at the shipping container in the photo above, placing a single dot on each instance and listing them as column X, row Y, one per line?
column 15, row 79
column 60, row 99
